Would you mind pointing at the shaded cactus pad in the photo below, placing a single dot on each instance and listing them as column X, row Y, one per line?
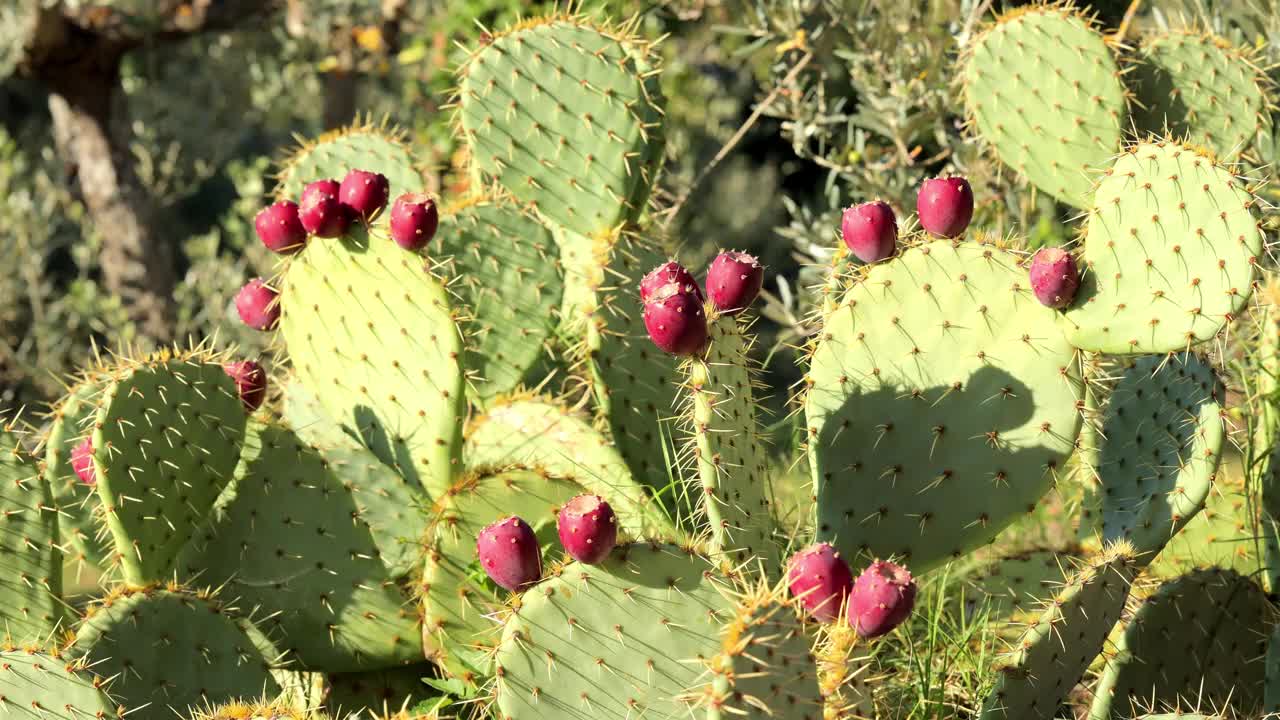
column 31, row 607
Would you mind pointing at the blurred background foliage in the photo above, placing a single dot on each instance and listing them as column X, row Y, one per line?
column 779, row 114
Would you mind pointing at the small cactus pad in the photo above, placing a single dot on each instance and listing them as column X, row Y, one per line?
column 1041, row 86
column 1008, row 588
column 332, row 611
column 379, row 693
column 1198, row 87
column 40, row 686
column 567, row 118
column 370, row 331
column 1056, row 649
column 30, row 561
column 1164, row 435
column 505, row 268
column 729, row 450
column 171, row 650
column 1170, row 250
column 167, row 439
column 361, row 147
column 1200, row 638
column 842, row 675
column 79, row 519
column 459, row 631
column 942, row 404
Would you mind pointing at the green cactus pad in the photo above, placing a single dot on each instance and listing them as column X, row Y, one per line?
column 79, row 519
column 48, row 687
column 379, row 693
column 1057, row 648
column 505, row 267
column 1271, row 689
column 1200, row 638
column 294, row 544
column 173, row 650
column 370, row 331
column 567, row 118
column 1170, row 252
column 942, row 405
column 166, row 441
column 1199, row 88
column 1010, row 587
column 1041, row 86
column 31, row 609
column 458, row 602
column 1220, row 535
column 728, row 449
column 362, row 147
column 1164, row 434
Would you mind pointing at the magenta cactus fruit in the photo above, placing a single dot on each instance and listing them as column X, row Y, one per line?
column 251, row 382
column 588, row 528
column 414, row 219
column 821, row 579
column 882, row 597
column 322, row 214
column 509, row 553
column 945, row 206
column 870, row 231
column 258, row 305
column 665, row 274
column 733, row 281
column 1054, row 278
column 364, row 192
column 675, row 320
column 82, row 462
column 280, row 228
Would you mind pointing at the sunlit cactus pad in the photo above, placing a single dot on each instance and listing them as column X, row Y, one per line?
column 1041, row 86
column 942, row 405
column 31, row 609
column 42, row 685
column 567, row 117
column 1169, row 251
column 332, row 155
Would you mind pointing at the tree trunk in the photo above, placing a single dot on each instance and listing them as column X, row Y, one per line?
column 137, row 260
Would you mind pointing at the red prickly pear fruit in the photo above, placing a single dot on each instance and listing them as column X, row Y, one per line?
column 733, row 281
column 945, row 206
column 364, row 192
column 665, row 274
column 251, row 382
column 280, row 228
column 414, row 219
column 1054, row 279
column 588, row 528
column 675, row 320
column 821, row 579
column 870, row 231
column 509, row 553
column 882, row 598
column 258, row 305
column 322, row 214
column 82, row 462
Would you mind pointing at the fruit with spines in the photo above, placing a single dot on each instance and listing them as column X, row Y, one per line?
column 588, row 528
column 509, row 554
column 675, row 320
column 321, row 212
column 870, row 231
column 821, row 580
column 945, row 206
column 364, row 192
column 280, row 228
column 251, row 382
column 881, row 599
column 258, row 305
column 414, row 219
column 1054, row 278
column 734, row 280
column 665, row 274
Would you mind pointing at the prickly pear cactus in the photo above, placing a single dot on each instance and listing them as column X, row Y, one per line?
column 378, row 693
column 922, row 348
column 31, row 609
column 77, row 502
column 1170, row 252
column 1042, row 88
column 47, row 685
column 1010, row 587
column 361, row 146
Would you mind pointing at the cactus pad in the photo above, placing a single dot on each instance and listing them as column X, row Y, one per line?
column 1057, row 648
column 729, row 450
column 1200, row 638
column 1164, row 434
column 167, row 439
column 78, row 521
column 1010, row 587
column 942, row 404
column 1220, row 535
column 171, row 650
column 379, row 693
column 1041, row 86
column 505, row 268
column 334, row 611
column 370, row 331
column 30, row 562
column 1198, row 87
column 567, row 118
column 361, row 147
column 1170, row 249
column 49, row 687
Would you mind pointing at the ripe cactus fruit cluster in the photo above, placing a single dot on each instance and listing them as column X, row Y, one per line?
column 673, row 303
